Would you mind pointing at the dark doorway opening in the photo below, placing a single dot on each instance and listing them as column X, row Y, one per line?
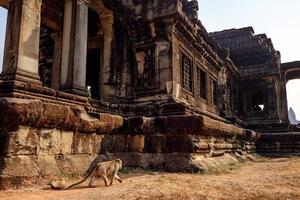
column 94, row 52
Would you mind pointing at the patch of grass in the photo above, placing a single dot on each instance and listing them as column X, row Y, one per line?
column 148, row 170
column 124, row 170
column 224, row 168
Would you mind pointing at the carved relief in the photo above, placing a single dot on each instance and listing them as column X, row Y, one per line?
column 145, row 68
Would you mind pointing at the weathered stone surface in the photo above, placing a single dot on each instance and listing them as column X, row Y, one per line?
column 66, row 142
column 80, row 162
column 82, row 144
column 21, row 142
column 35, row 113
column 184, row 125
column 19, row 166
column 49, row 142
column 47, row 165
column 278, row 143
column 155, row 143
column 136, row 143
column 96, row 143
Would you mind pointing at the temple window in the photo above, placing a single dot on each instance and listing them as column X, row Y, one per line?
column 235, row 98
column 187, row 73
column 202, row 83
column 214, row 91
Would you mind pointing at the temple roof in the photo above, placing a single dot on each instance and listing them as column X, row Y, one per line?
column 246, row 48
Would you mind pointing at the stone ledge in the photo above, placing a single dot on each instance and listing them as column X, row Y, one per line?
column 35, row 113
column 185, row 125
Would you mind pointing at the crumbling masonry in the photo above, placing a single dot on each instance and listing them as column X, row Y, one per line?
column 141, row 80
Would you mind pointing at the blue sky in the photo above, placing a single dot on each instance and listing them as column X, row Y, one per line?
column 279, row 19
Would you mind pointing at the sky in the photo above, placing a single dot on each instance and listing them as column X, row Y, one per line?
column 279, row 19
column 3, row 16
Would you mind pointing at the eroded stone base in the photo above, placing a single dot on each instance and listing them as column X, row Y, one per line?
column 45, row 140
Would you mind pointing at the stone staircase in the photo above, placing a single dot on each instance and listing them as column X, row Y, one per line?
column 287, row 143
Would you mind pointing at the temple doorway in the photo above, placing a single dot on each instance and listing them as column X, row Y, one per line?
column 94, row 52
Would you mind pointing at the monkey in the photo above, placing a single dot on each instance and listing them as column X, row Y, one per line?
column 103, row 170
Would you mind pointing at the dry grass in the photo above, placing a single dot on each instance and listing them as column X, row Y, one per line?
column 269, row 179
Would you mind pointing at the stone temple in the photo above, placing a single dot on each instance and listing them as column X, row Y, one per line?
column 140, row 80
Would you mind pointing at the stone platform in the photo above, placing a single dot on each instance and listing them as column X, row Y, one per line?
column 44, row 140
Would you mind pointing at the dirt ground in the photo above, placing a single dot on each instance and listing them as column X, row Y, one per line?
column 263, row 179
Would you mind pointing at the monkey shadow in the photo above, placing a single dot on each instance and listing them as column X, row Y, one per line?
column 81, row 187
column 74, row 188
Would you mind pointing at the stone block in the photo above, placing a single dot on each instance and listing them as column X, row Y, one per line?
column 82, row 143
column 136, row 143
column 107, row 144
column 201, row 147
column 47, row 165
column 155, row 144
column 19, row 166
column 96, row 143
column 22, row 142
column 50, row 142
column 180, row 144
column 114, row 143
column 120, row 144
column 80, row 162
column 67, row 142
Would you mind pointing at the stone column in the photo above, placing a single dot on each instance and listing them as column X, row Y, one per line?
column 57, row 38
column 73, row 68
column 21, row 55
column 107, row 25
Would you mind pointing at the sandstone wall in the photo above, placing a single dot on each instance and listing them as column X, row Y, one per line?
column 43, row 140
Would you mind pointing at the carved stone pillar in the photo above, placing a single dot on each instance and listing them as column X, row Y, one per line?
column 57, row 38
column 73, row 68
column 21, row 55
column 107, row 25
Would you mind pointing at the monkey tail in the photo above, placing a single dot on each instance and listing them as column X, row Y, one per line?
column 83, row 178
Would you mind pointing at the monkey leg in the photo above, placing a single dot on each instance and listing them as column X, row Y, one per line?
column 105, row 180
column 118, row 178
column 113, row 178
column 92, row 181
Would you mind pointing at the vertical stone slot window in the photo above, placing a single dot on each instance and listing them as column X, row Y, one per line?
column 202, row 83
column 187, row 73
column 214, row 91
